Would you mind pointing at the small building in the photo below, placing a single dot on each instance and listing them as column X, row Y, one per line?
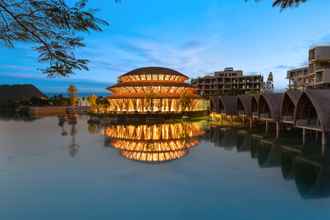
column 228, row 82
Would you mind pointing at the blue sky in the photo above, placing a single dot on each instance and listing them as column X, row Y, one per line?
column 194, row 37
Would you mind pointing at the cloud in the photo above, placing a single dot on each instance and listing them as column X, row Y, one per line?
column 191, row 45
column 16, row 67
column 191, row 56
column 283, row 67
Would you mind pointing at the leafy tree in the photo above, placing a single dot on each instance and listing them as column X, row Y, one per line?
column 92, row 100
column 52, row 26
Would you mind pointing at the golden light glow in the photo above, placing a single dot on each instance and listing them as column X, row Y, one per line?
column 154, row 92
column 154, row 142
column 154, row 157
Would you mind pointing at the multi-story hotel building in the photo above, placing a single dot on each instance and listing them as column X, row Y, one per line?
column 316, row 74
column 228, row 82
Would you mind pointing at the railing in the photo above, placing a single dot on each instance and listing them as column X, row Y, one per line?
column 310, row 123
column 255, row 114
column 265, row 115
column 287, row 118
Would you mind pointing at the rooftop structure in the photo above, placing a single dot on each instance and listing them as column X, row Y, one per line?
column 228, row 82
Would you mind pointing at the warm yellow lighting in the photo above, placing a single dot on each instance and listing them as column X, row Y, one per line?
column 154, row 90
column 154, row 142
column 154, row 157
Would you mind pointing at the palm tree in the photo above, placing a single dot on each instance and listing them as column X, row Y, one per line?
column 61, row 123
column 72, row 90
column 73, row 147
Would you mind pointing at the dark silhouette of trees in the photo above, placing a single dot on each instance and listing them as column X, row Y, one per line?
column 283, row 4
column 52, row 26
column 287, row 3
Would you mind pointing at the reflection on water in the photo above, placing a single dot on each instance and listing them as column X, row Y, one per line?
column 161, row 142
column 85, row 170
column 153, row 142
column 71, row 120
column 310, row 172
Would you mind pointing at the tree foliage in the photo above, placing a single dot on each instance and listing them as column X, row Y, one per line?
column 283, row 4
column 52, row 26
column 287, row 3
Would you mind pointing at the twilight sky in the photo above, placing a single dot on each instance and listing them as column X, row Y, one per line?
column 194, row 37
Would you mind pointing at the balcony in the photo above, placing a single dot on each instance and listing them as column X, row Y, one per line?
column 319, row 54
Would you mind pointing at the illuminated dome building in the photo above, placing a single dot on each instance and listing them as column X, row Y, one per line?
column 154, row 142
column 154, row 90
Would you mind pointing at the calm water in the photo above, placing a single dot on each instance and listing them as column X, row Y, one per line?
column 55, row 168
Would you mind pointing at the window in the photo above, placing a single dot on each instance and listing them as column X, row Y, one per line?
column 319, row 76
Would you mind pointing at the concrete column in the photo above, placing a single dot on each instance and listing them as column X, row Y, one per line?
column 277, row 129
column 251, row 123
column 304, row 136
column 324, row 142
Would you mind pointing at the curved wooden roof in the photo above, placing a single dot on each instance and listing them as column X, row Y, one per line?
column 320, row 99
column 154, row 70
column 246, row 101
column 148, row 83
column 255, row 98
column 273, row 101
column 293, row 95
column 229, row 103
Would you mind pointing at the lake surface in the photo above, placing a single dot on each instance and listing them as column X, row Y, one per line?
column 66, row 168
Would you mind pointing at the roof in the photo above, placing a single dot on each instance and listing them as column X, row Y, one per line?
column 154, row 70
column 19, row 92
column 293, row 96
column 148, row 83
column 246, row 101
column 320, row 99
column 162, row 95
column 229, row 103
column 273, row 101
column 298, row 69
